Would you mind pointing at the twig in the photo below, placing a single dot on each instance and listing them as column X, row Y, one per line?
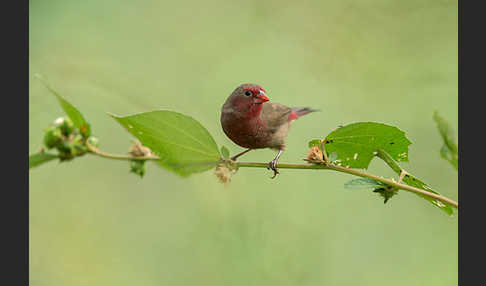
column 95, row 151
column 322, row 166
column 324, row 152
column 353, row 172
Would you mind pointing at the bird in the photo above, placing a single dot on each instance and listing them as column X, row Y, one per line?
column 252, row 122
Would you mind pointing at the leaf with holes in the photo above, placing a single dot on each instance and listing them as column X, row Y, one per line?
column 416, row 182
column 356, row 144
column 182, row 143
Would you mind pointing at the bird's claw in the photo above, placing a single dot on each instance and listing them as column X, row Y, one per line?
column 271, row 166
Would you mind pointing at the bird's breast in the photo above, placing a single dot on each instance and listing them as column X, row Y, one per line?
column 246, row 132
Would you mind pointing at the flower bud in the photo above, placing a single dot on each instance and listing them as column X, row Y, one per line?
column 52, row 137
column 93, row 141
column 78, row 147
column 65, row 147
column 138, row 150
column 138, row 167
column 224, row 171
column 315, row 154
column 65, row 124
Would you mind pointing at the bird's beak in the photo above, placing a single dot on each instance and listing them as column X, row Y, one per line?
column 261, row 97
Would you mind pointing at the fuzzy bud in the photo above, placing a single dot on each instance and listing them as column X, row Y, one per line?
column 315, row 154
column 138, row 150
column 224, row 171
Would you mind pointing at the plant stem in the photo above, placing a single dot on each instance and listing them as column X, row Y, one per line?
column 353, row 172
column 93, row 150
column 404, row 175
column 390, row 162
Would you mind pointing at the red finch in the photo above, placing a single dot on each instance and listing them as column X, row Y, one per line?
column 252, row 122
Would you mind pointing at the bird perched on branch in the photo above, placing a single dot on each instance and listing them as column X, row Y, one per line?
column 252, row 122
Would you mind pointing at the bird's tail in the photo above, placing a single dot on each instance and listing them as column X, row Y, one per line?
column 300, row 111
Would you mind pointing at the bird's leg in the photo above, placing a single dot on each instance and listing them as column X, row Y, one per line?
column 273, row 163
column 239, row 154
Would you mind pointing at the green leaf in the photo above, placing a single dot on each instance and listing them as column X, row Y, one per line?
column 40, row 158
column 415, row 182
column 182, row 143
column 71, row 111
column 378, row 187
column 138, row 167
column 356, row 144
column 449, row 149
column 363, row 183
column 315, row 142
column 225, row 152
column 386, row 193
column 333, row 157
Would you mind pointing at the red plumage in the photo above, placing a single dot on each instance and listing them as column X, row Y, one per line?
column 252, row 122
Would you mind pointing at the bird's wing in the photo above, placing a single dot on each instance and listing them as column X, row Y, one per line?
column 275, row 115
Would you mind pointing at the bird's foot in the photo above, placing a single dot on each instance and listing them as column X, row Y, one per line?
column 271, row 165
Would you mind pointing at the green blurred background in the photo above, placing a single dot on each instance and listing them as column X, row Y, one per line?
column 94, row 223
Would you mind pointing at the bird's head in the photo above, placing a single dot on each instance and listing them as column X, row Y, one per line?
column 248, row 96
column 253, row 92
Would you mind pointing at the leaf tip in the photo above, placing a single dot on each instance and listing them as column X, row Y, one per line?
column 42, row 79
column 112, row 115
column 38, row 76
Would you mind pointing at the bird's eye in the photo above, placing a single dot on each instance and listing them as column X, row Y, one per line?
column 247, row 93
